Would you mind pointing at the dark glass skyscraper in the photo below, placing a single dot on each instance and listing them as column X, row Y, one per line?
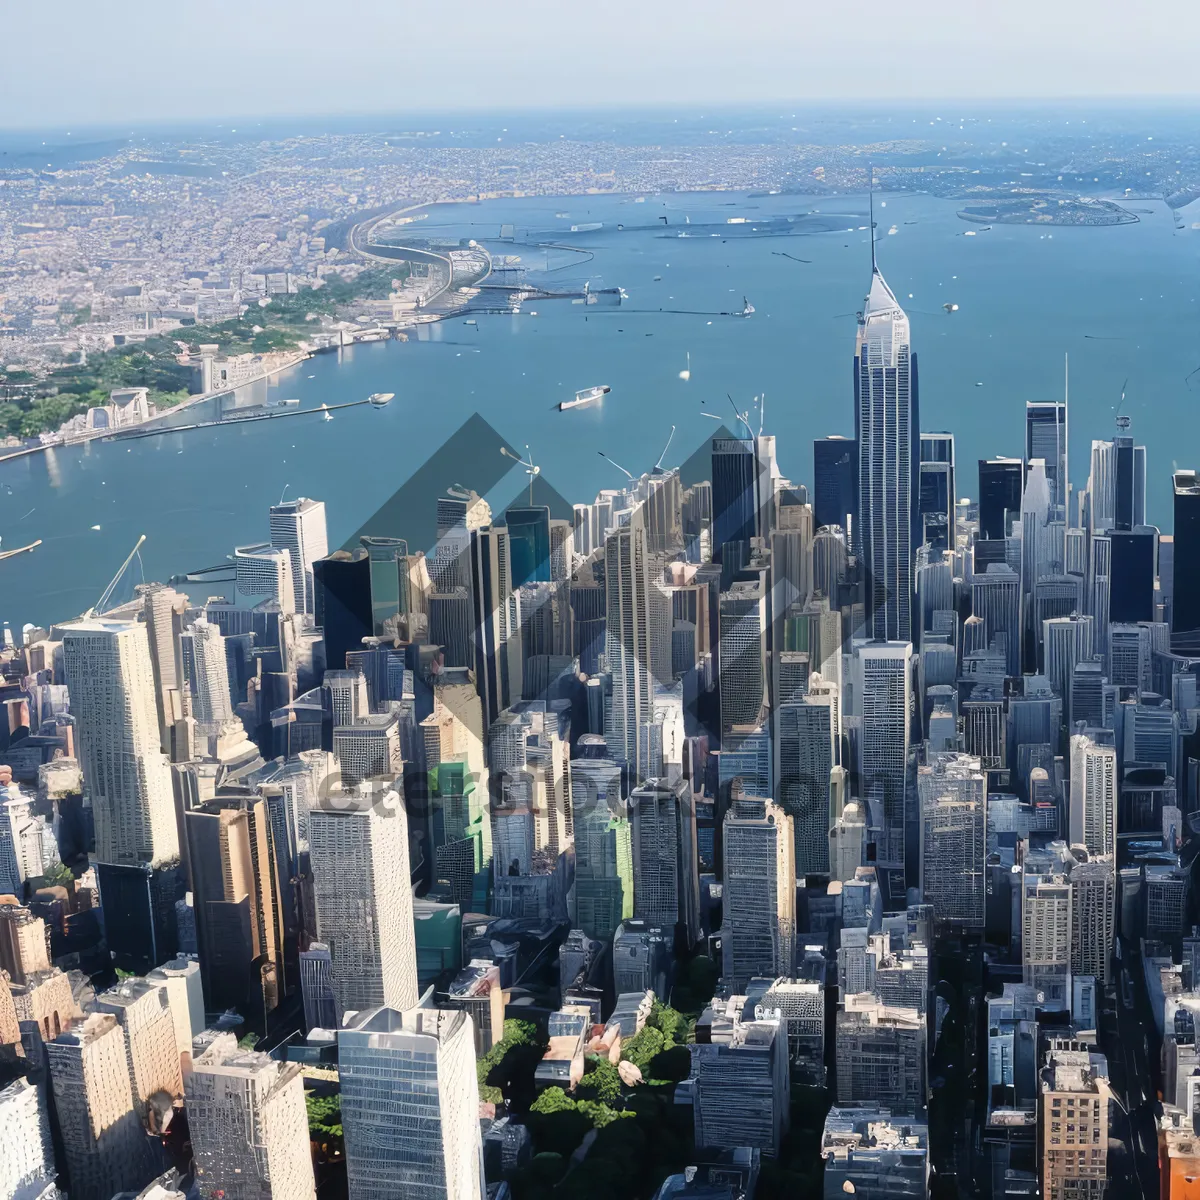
column 342, row 587
column 835, row 476
column 529, row 544
column 887, row 426
column 1185, row 595
column 735, row 506
column 936, row 502
column 1001, row 481
column 1133, row 570
column 1046, row 438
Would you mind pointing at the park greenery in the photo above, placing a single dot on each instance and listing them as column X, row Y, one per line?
column 31, row 406
column 325, row 1123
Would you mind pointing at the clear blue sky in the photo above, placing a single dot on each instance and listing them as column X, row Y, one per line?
column 140, row 60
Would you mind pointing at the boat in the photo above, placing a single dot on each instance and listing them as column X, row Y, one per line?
column 326, row 413
column 586, row 396
column 470, row 321
column 379, row 399
column 950, row 307
column 686, row 373
column 747, row 307
column 20, row 550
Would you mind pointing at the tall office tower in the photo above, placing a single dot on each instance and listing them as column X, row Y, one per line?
column 935, row 593
column 739, row 1082
column 627, row 649
column 759, row 897
column 342, row 603
column 152, row 1061
column 529, row 544
column 368, row 748
column 937, row 498
column 996, row 597
column 881, row 1055
column 298, row 526
column 180, row 980
column 746, row 758
column 111, row 680
column 743, row 676
column 1134, row 569
column 642, row 958
column 265, row 570
column 1185, row 583
column 666, row 881
column 410, row 1105
column 359, row 848
column 1067, row 641
column 497, row 634
column 835, row 478
column 603, row 850
column 847, row 839
column 887, row 427
column 1046, row 438
column 870, row 1154
column 163, row 609
column 452, row 626
column 1001, row 482
column 736, row 500
column 1117, row 484
column 883, row 699
column 587, row 609
column 1093, row 811
column 235, row 887
column 248, row 1124
column 207, row 674
column 316, row 987
column 1046, row 932
column 830, row 562
column 27, row 1167
column 1093, row 918
column 388, row 568
column 1089, row 699
column 809, row 771
column 1073, row 1102
column 1129, row 655
column 104, row 1143
column 696, row 521
column 791, row 559
column 953, row 796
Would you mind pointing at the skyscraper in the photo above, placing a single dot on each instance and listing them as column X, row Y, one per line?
column 410, row 1106
column 743, row 673
column 887, row 428
column 1001, row 483
column 1046, row 438
column 937, row 498
column 128, row 778
column 248, row 1124
column 807, row 748
column 666, row 886
column 759, row 897
column 298, row 526
column 359, row 847
column 737, row 501
column 953, row 795
column 627, row 640
column 603, row 852
column 1185, row 596
column 835, row 478
column 1093, row 812
column 529, row 544
column 26, row 1153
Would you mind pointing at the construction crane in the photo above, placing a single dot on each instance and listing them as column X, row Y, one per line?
column 98, row 608
column 658, row 465
column 617, row 465
column 530, row 469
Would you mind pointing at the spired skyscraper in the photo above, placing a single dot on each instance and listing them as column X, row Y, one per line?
column 887, row 429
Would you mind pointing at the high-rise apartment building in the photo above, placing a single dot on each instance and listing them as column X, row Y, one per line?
column 887, row 428
column 26, row 1153
column 248, row 1125
column 359, row 849
column 410, row 1106
column 1093, row 809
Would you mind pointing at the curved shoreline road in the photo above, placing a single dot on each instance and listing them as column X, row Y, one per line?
column 359, row 243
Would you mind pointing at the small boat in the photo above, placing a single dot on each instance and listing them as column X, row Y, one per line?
column 96, row 528
column 747, row 307
column 326, row 413
column 20, row 550
column 950, row 307
column 470, row 321
column 290, row 402
column 586, row 396
column 379, row 399
column 686, row 373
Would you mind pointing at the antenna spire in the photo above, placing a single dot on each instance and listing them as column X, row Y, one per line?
column 871, row 201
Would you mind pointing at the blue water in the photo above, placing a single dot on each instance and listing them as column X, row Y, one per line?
column 1026, row 296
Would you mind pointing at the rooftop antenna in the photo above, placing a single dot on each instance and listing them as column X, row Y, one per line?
column 98, row 608
column 618, row 465
column 665, row 449
column 530, row 469
column 762, row 412
column 1123, row 421
column 741, row 416
column 871, row 202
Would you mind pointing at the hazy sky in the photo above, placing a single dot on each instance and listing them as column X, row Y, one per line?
column 79, row 61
